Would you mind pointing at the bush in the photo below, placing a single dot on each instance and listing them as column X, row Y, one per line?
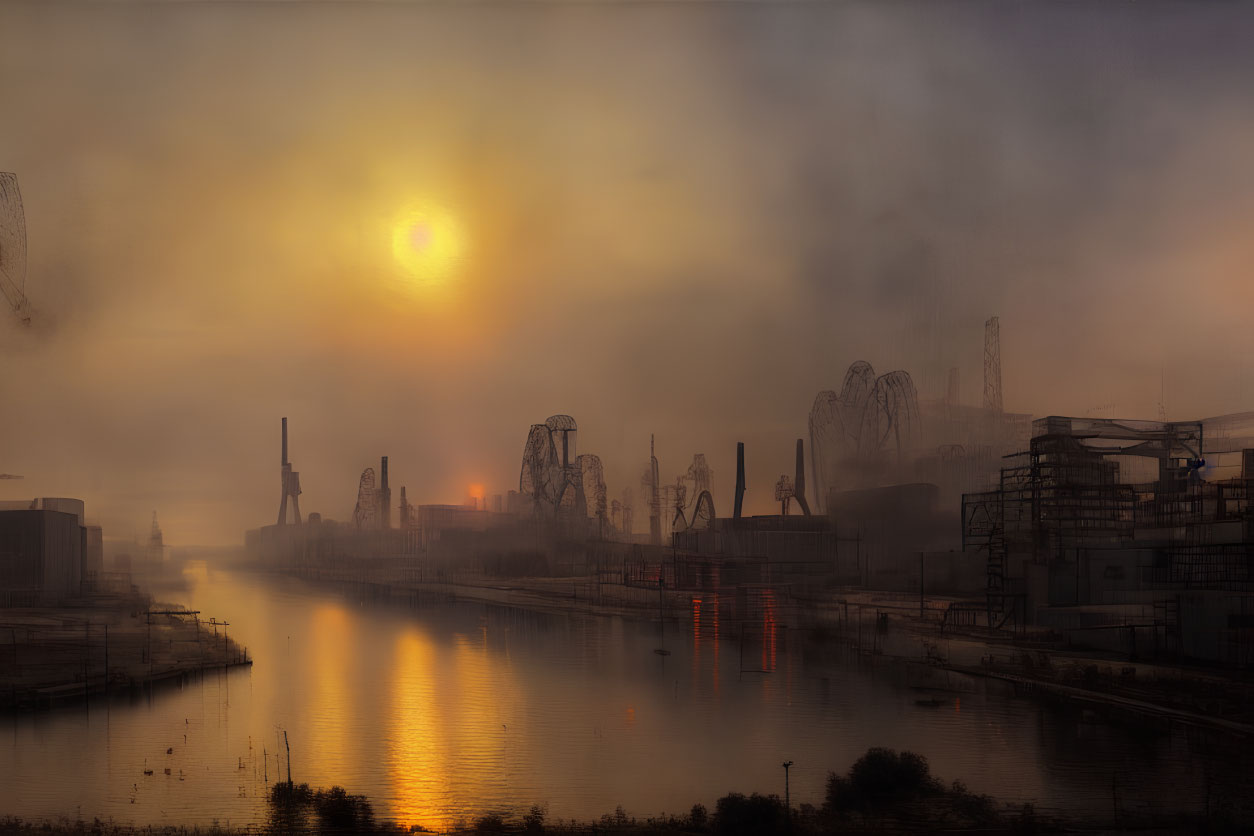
column 533, row 822
column 698, row 817
column 737, row 815
column 339, row 812
column 880, row 778
column 490, row 823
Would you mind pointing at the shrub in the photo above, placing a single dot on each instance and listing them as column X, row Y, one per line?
column 339, row 812
column 698, row 817
column 880, row 778
column 738, row 815
column 490, row 823
column 533, row 822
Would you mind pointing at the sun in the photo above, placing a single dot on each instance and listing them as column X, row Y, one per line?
column 427, row 243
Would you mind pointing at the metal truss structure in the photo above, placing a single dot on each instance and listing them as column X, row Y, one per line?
column 366, row 513
column 13, row 247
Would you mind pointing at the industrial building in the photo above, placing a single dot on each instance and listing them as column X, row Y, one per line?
column 1132, row 536
column 44, row 548
column 370, row 533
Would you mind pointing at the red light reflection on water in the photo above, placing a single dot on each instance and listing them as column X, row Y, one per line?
column 769, row 628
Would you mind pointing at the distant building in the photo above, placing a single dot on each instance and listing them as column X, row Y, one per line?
column 433, row 520
column 42, row 550
column 93, row 555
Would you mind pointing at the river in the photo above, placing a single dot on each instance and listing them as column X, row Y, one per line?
column 443, row 712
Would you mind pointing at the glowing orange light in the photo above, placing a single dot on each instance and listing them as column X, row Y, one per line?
column 427, row 243
column 476, row 491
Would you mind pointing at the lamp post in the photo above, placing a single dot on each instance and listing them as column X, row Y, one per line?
column 787, row 799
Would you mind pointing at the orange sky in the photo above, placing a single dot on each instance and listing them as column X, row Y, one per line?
column 677, row 219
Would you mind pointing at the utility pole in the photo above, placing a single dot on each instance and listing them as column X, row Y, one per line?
column 289, row 758
column 787, row 797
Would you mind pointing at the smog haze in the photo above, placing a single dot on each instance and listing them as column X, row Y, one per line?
column 680, row 219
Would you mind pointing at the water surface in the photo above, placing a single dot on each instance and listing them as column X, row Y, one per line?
column 443, row 712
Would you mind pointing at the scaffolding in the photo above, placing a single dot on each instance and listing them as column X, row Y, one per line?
column 1068, row 500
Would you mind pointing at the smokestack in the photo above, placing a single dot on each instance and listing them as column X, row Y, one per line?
column 655, row 499
column 385, row 496
column 740, row 477
column 290, row 483
column 799, row 481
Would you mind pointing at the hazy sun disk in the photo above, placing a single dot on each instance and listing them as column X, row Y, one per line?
column 427, row 243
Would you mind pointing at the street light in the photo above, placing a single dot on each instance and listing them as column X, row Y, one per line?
column 787, row 800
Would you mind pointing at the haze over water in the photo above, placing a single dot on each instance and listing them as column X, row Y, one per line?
column 446, row 712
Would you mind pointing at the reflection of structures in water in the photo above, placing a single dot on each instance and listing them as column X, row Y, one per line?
column 696, row 642
column 706, row 630
column 715, row 604
column 564, row 689
column 769, row 626
column 417, row 756
column 1090, row 748
column 482, row 710
column 328, row 708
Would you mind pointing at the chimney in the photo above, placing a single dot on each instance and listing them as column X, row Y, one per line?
column 284, row 442
column 385, row 496
column 740, row 477
column 799, row 481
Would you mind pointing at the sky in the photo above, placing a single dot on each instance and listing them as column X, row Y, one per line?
column 683, row 219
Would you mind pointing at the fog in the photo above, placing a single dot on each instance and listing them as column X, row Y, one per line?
column 681, row 219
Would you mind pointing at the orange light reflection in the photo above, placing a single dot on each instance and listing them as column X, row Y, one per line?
column 329, row 651
column 418, row 757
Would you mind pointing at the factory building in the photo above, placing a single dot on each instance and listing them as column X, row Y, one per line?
column 43, row 550
column 1133, row 536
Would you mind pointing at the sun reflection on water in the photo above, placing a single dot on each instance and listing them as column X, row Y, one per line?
column 417, row 756
column 330, row 653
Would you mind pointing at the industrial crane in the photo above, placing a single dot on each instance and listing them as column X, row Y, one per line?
column 13, row 247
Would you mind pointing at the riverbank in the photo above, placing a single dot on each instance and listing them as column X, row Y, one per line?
column 104, row 644
column 882, row 792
